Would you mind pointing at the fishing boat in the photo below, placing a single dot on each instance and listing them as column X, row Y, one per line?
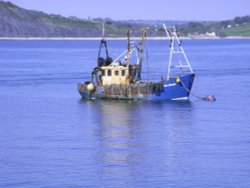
column 122, row 79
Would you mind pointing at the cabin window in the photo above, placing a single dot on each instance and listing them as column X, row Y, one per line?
column 117, row 73
column 123, row 72
column 109, row 72
column 103, row 72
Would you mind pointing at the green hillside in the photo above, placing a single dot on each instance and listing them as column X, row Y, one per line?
column 240, row 31
column 19, row 22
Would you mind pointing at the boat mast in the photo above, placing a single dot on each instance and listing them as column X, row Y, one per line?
column 128, row 54
column 175, row 49
column 128, row 48
column 144, row 33
column 103, row 43
column 171, row 46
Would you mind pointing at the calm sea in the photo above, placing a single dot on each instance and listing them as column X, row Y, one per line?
column 49, row 138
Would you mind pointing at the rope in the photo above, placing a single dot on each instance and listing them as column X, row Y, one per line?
column 191, row 93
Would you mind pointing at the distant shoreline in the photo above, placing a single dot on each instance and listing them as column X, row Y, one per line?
column 116, row 38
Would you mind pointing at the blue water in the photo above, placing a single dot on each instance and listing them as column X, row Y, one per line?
column 49, row 138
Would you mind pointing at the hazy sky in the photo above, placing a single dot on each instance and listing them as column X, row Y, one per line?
column 142, row 9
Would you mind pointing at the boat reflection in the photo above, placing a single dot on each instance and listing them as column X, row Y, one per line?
column 123, row 125
column 133, row 135
column 116, row 130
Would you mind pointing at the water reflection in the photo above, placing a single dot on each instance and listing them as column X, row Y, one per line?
column 115, row 131
column 134, row 136
column 141, row 139
column 115, row 134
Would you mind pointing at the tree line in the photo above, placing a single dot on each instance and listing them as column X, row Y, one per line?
column 197, row 28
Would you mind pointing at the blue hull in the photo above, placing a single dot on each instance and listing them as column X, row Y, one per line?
column 173, row 89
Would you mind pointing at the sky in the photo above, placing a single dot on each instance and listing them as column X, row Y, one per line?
column 207, row 10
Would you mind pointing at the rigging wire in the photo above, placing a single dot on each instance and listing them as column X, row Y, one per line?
column 147, row 60
column 206, row 98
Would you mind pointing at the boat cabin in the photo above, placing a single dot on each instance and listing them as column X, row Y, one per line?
column 114, row 75
column 119, row 74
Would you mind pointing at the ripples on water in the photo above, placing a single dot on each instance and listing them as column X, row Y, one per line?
column 51, row 138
